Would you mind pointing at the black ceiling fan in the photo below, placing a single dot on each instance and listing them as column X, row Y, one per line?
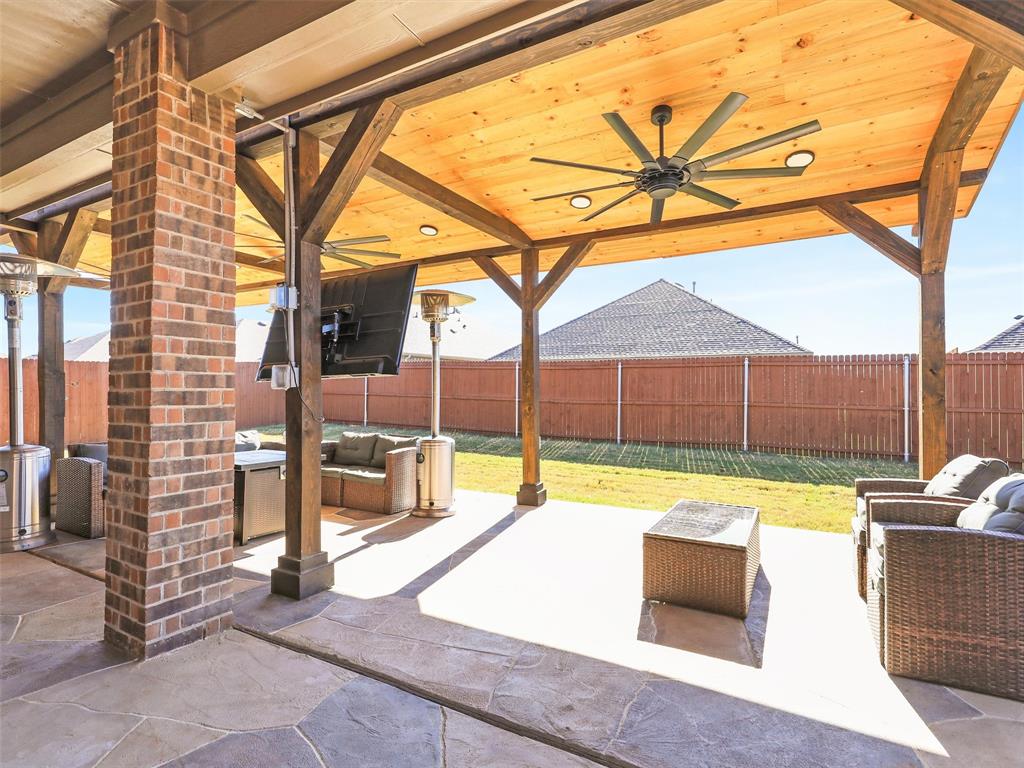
column 661, row 177
column 335, row 249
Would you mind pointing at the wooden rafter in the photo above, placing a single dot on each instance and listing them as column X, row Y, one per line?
column 875, row 234
column 557, row 275
column 63, row 243
column 995, row 25
column 265, row 195
column 980, row 81
column 493, row 270
column 370, row 127
column 402, row 178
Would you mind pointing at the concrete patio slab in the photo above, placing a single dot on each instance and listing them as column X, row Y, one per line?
column 77, row 619
column 275, row 748
column 49, row 585
column 34, row 666
column 87, row 556
column 41, row 735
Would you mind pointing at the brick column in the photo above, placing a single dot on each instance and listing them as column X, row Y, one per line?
column 171, row 402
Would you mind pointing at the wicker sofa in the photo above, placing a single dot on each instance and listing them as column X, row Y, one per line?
column 82, row 485
column 956, row 485
column 370, row 471
column 944, row 595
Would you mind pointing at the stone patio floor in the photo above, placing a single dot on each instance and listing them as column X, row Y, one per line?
column 499, row 637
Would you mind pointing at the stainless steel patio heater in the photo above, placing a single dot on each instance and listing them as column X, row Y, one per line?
column 24, row 469
column 435, row 470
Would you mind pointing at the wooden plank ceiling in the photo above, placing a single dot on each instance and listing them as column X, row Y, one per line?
column 876, row 77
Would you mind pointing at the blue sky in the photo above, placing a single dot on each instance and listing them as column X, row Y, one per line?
column 837, row 294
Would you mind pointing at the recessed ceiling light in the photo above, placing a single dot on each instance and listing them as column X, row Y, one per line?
column 800, row 159
column 428, row 229
column 580, row 201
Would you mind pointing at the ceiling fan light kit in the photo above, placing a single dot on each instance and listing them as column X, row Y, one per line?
column 662, row 177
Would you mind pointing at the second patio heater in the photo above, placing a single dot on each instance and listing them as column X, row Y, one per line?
column 24, row 469
column 435, row 470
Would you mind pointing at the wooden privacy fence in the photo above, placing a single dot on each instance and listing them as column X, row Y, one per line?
column 861, row 405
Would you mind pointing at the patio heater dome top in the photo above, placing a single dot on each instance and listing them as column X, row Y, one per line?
column 18, row 273
column 435, row 304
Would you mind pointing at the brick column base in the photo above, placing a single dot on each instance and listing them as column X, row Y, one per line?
column 172, row 343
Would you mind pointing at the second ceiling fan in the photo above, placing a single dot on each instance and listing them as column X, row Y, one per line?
column 335, row 249
column 662, row 177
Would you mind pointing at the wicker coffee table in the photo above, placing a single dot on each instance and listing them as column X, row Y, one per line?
column 703, row 555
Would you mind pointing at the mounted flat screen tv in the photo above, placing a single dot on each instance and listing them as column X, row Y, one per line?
column 363, row 318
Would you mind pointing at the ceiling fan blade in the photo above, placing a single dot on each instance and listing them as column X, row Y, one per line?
column 657, row 209
column 585, row 166
column 250, row 246
column 581, row 191
column 749, row 173
column 261, row 222
column 346, row 259
column 361, row 252
column 622, row 128
column 358, row 240
column 712, row 197
column 612, row 204
column 707, row 129
column 763, row 143
column 278, row 243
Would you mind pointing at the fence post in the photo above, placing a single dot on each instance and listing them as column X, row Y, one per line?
column 906, row 409
column 366, row 398
column 516, row 412
column 746, row 403
column 618, row 407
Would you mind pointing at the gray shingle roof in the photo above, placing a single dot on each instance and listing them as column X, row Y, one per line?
column 660, row 320
column 1010, row 340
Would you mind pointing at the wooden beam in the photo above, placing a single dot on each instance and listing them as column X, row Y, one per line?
column 253, row 261
column 304, row 569
column 17, row 225
column 980, row 81
column 370, row 127
column 738, row 215
column 401, row 178
column 68, row 242
column 465, row 59
column 261, row 190
column 493, row 270
column 995, row 25
column 566, row 263
column 26, row 243
column 532, row 492
column 875, row 234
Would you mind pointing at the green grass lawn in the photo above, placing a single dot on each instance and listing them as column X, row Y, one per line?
column 798, row 491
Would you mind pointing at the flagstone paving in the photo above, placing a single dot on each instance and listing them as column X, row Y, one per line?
column 490, row 642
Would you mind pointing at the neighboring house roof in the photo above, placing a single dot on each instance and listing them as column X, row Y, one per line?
column 89, row 348
column 1010, row 340
column 250, row 338
column 660, row 320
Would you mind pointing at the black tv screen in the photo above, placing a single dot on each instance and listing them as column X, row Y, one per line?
column 362, row 325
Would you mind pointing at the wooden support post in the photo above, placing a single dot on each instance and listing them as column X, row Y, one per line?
column 61, row 243
column 532, row 492
column 979, row 82
column 304, row 570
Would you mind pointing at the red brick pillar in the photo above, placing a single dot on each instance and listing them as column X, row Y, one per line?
column 172, row 344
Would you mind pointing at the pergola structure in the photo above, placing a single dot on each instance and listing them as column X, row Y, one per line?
column 122, row 153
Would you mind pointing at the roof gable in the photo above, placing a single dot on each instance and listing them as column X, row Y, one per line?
column 1010, row 340
column 659, row 320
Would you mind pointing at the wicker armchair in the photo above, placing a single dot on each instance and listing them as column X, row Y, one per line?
column 873, row 492
column 397, row 494
column 80, row 497
column 946, row 605
column 965, row 477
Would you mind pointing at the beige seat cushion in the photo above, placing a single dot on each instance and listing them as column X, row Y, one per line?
column 363, row 475
column 966, row 476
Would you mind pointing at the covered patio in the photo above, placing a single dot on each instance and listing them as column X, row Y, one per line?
column 196, row 175
column 525, row 627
